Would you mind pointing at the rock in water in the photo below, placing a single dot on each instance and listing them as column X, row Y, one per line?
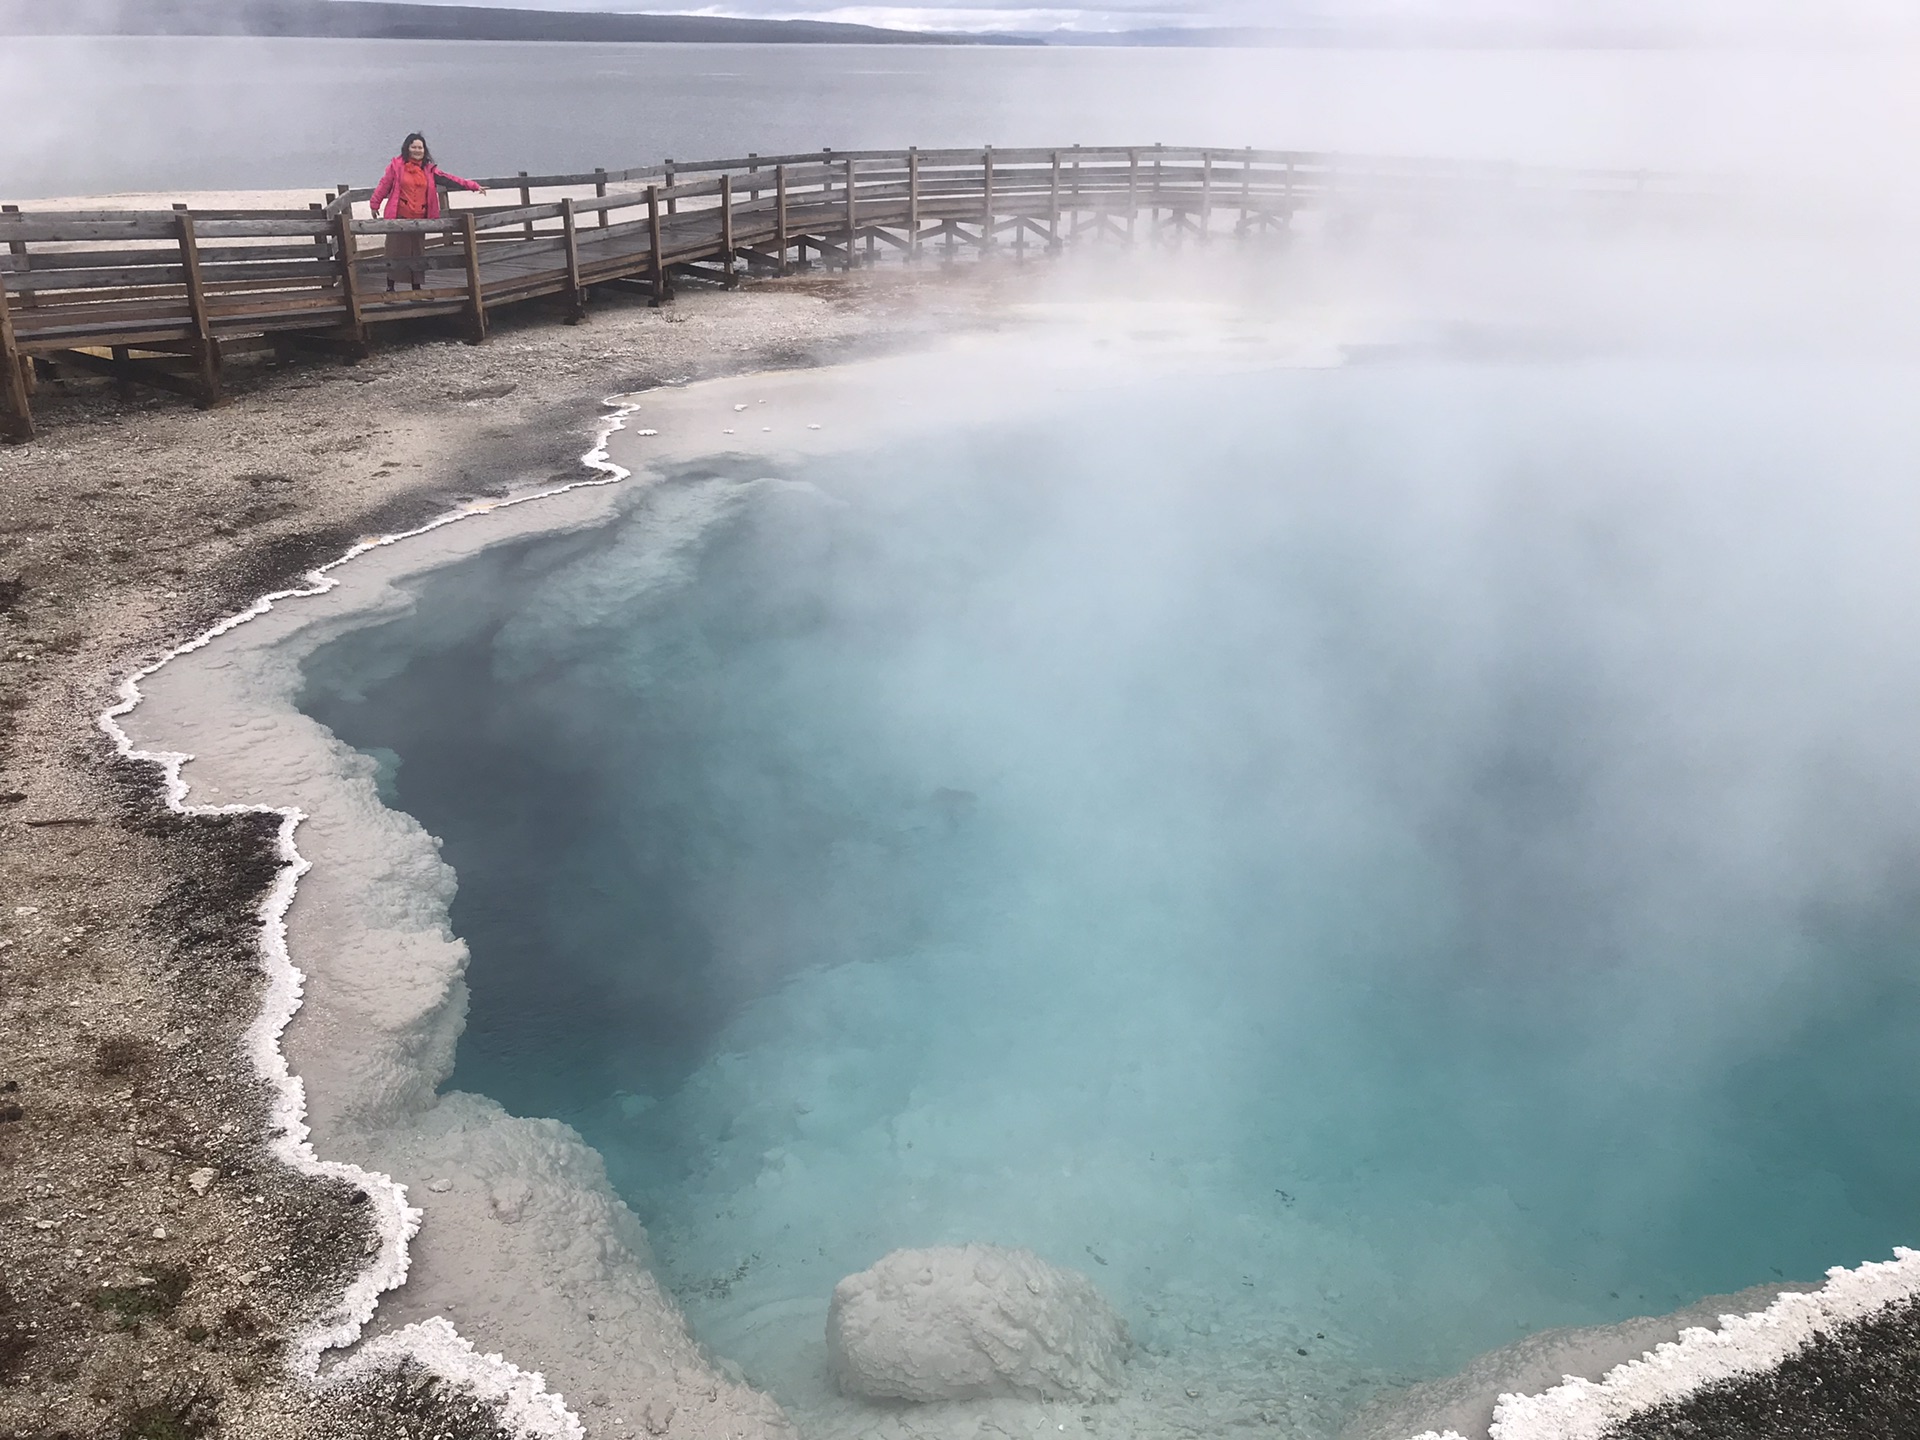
column 966, row 1322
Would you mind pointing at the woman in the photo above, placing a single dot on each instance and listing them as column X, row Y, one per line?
column 411, row 191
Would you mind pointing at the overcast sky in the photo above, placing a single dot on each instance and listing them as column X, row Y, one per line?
column 1738, row 20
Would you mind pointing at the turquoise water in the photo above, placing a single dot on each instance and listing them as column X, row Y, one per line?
column 1364, row 863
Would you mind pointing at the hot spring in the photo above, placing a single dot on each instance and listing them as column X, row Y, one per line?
column 1364, row 862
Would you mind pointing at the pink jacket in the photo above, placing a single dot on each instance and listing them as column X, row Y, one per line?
column 387, row 192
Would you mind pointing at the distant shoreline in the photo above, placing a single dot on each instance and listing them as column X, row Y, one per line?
column 405, row 20
column 383, row 20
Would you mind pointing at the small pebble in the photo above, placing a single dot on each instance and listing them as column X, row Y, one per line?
column 159, row 1232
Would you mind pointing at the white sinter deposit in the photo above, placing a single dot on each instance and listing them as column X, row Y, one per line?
column 522, row 1244
column 972, row 1321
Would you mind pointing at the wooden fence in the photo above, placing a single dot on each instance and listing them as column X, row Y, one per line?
column 158, row 297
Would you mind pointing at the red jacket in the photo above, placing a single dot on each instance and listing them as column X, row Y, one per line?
column 387, row 192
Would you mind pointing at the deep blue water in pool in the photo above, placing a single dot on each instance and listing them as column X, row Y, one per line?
column 1385, row 858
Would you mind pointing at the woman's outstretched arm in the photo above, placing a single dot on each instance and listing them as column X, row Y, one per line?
column 440, row 174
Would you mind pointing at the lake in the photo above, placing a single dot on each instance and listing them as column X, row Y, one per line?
column 88, row 116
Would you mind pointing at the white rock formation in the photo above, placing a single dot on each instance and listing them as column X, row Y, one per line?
column 968, row 1322
column 1462, row 1405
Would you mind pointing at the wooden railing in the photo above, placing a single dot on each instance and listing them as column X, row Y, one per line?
column 158, row 296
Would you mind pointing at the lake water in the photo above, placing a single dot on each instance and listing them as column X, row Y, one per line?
column 1366, row 863
column 87, row 116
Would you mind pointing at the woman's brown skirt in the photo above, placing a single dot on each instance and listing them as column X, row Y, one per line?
column 407, row 257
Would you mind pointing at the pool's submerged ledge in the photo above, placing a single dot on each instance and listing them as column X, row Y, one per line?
column 527, row 1255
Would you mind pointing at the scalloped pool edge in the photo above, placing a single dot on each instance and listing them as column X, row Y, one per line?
column 524, row 1400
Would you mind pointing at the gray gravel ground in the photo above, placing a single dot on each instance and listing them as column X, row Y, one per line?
column 1860, row 1382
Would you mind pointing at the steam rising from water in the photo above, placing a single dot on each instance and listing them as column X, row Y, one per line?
column 1366, row 862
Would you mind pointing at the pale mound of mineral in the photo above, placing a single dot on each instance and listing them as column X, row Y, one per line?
column 971, row 1321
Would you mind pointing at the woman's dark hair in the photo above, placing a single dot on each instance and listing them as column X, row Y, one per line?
column 416, row 135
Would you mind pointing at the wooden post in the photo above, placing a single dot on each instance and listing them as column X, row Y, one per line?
column 476, row 297
column 350, row 276
column 986, row 177
column 576, row 294
column 1206, row 194
column 322, row 248
column 661, row 294
column 600, row 192
column 673, row 201
column 1074, row 229
column 29, row 378
column 853, row 216
column 1246, row 189
column 913, row 202
column 19, row 250
column 780, row 241
column 1053, row 207
column 206, row 350
column 1133, row 191
column 526, row 198
column 17, row 422
column 726, row 230
column 1153, row 200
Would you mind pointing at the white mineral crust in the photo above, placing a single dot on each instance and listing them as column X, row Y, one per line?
column 967, row 1322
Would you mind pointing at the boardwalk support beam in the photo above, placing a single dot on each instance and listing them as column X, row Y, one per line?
column 350, row 281
column 780, row 240
column 206, row 349
column 726, row 230
column 476, row 293
column 662, row 292
column 986, row 198
column 913, row 203
column 853, row 217
column 576, row 292
column 16, row 423
column 1053, row 207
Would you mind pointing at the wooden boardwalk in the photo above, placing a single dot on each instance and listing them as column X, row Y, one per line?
column 158, row 297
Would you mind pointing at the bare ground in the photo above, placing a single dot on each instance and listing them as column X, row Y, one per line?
column 154, row 1260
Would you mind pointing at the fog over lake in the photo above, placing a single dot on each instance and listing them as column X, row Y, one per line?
column 156, row 114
